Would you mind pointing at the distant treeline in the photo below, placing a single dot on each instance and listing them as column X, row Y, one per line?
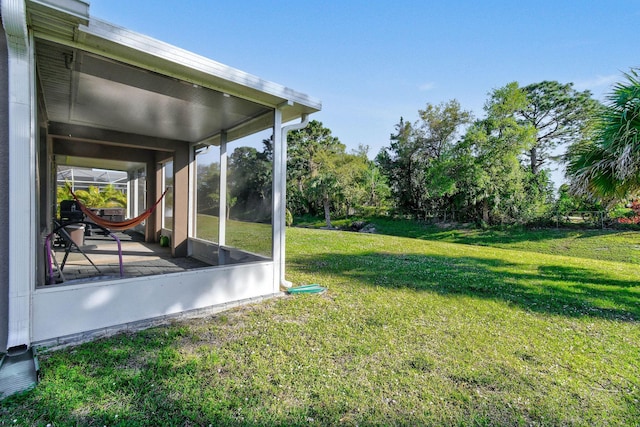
column 489, row 170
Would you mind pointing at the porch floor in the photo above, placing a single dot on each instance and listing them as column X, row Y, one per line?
column 139, row 259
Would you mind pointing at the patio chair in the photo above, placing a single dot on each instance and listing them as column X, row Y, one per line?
column 69, row 245
column 71, row 211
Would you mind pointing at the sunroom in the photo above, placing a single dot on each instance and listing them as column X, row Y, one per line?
column 86, row 93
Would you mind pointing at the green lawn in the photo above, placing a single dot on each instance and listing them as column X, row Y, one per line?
column 412, row 331
column 249, row 236
column 597, row 244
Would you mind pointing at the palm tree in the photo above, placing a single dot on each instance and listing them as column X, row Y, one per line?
column 108, row 197
column 608, row 167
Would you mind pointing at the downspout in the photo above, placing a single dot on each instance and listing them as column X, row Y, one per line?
column 304, row 121
column 21, row 174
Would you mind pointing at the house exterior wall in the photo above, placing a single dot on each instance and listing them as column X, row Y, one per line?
column 61, row 311
column 4, row 193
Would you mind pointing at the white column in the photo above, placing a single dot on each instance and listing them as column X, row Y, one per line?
column 132, row 194
column 278, row 212
column 22, row 215
column 193, row 195
column 222, row 215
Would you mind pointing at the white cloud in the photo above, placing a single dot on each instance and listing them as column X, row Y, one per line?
column 426, row 86
column 597, row 82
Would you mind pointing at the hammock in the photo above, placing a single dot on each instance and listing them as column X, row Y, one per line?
column 117, row 225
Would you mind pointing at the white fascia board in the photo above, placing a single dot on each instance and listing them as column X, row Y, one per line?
column 137, row 49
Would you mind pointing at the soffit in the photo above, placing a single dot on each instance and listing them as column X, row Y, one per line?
column 95, row 74
column 85, row 89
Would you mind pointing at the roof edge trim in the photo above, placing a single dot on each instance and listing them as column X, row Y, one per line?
column 76, row 8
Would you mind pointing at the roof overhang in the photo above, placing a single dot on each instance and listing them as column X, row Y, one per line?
column 98, row 75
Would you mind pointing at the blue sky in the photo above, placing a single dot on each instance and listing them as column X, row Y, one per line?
column 371, row 62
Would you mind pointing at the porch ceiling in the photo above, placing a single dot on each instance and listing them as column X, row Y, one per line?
column 81, row 88
column 93, row 74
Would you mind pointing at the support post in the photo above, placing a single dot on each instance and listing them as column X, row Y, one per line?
column 222, row 211
column 193, row 194
column 158, row 184
column 179, row 233
column 153, row 185
column 278, row 213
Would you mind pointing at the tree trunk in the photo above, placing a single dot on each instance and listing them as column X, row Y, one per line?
column 533, row 153
column 327, row 213
column 485, row 211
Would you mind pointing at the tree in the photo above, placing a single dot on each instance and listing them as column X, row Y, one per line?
column 491, row 178
column 324, row 186
column 250, row 182
column 209, row 188
column 108, row 197
column 418, row 153
column 608, row 166
column 376, row 189
column 568, row 202
column 351, row 169
column 402, row 164
column 439, row 126
column 311, row 178
column 560, row 115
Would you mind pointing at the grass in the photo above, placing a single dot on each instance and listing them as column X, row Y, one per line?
column 249, row 236
column 614, row 245
column 412, row 331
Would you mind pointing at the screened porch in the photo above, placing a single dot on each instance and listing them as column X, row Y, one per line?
column 94, row 95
